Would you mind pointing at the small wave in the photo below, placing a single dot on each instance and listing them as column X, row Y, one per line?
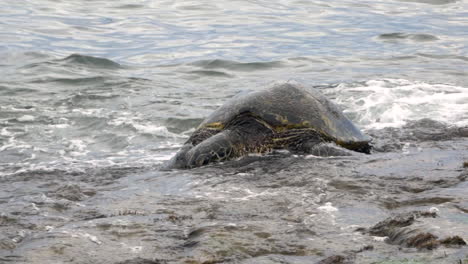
column 153, row 130
column 130, row 6
column 237, row 66
column 72, row 70
column 404, row 36
column 13, row 58
column 393, row 102
column 71, row 81
column 75, row 60
column 212, row 73
column 432, row 2
column 182, row 124
column 443, row 56
column 14, row 90
column 26, row 118
column 91, row 61
column 328, row 207
column 80, row 97
column 143, row 127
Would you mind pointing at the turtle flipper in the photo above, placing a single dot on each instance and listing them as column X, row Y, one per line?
column 327, row 149
column 309, row 141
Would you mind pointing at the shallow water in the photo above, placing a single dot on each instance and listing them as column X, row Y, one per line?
column 96, row 95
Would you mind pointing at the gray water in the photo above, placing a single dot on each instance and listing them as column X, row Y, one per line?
column 96, row 95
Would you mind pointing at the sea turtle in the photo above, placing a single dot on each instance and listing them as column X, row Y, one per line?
column 285, row 116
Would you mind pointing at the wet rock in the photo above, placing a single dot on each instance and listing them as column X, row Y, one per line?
column 430, row 130
column 177, row 219
column 415, row 132
column 422, row 240
column 453, row 241
column 346, row 257
column 6, row 220
column 337, row 259
column 125, row 212
column 399, row 230
column 142, row 261
column 462, row 207
column 7, row 244
column 224, row 243
column 384, row 228
column 351, row 186
column 463, row 131
column 365, row 248
column 393, row 204
column 463, row 176
column 89, row 214
column 70, row 192
column 61, row 206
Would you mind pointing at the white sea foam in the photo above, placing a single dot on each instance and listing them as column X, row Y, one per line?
column 77, row 144
column 76, row 234
column 380, row 239
column 328, row 207
column 154, row 130
column 434, row 210
column 5, row 132
column 90, row 112
column 144, row 127
column 392, row 102
column 136, row 249
column 61, row 126
column 26, row 118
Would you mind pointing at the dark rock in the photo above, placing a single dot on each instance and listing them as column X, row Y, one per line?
column 453, row 241
column 384, row 228
column 399, row 231
column 142, row 261
column 70, row 192
column 337, row 259
column 423, row 241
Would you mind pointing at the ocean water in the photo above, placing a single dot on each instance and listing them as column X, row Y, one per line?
column 96, row 95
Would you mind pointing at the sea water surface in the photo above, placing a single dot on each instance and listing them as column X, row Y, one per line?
column 96, row 95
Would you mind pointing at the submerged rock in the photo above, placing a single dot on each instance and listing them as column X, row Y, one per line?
column 337, row 259
column 142, row 261
column 402, row 230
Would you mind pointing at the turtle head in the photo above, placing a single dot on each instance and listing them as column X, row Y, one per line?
column 214, row 149
column 179, row 161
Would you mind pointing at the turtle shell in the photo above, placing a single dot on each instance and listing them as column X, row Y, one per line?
column 289, row 106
